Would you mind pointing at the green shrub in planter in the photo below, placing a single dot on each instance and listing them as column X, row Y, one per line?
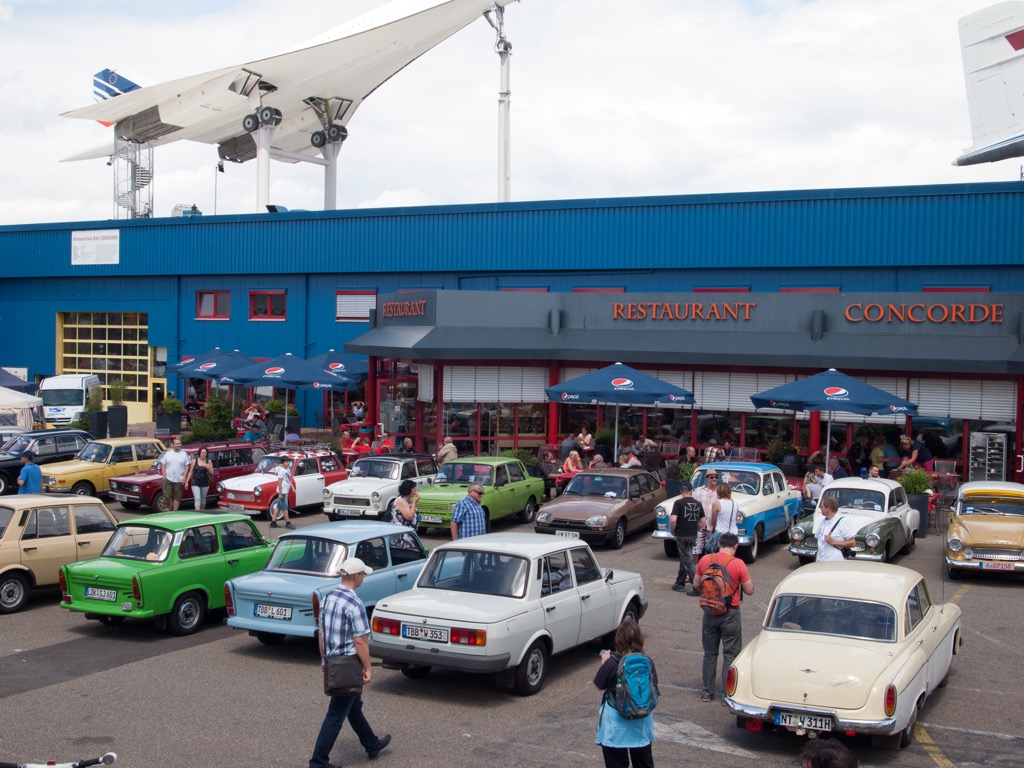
column 274, row 406
column 915, row 481
column 80, row 423
column 118, row 390
column 778, row 450
column 172, row 406
column 525, row 455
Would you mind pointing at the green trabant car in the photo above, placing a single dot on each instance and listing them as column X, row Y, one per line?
column 170, row 566
column 508, row 489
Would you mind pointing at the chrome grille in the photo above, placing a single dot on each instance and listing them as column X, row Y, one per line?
column 993, row 553
column 351, row 501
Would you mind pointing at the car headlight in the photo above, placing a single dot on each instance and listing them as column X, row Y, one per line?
column 872, row 539
column 597, row 521
column 661, row 512
column 740, row 517
column 545, row 517
column 797, row 534
column 375, row 497
column 326, row 493
column 257, row 491
column 220, row 487
column 955, row 544
column 50, row 480
column 969, row 553
column 136, row 489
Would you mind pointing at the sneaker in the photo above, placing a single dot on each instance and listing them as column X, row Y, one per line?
column 382, row 743
column 693, row 592
column 706, row 696
column 288, row 525
column 273, row 524
column 678, row 587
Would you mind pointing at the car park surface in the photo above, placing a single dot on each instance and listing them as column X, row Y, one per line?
column 145, row 488
column 973, row 721
column 373, row 482
column 284, row 598
column 986, row 529
column 47, row 445
column 603, row 506
column 887, row 524
column 39, row 534
column 90, row 472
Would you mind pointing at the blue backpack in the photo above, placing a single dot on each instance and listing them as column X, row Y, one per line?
column 635, row 694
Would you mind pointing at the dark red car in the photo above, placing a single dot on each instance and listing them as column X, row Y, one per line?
column 146, row 488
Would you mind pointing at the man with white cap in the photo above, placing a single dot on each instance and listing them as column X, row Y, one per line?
column 344, row 631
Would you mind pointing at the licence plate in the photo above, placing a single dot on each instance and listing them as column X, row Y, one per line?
column 431, row 519
column 237, row 507
column 811, row 722
column 568, row 534
column 101, row 594
column 119, row 497
column 990, row 566
column 349, row 512
column 430, row 634
column 272, row 612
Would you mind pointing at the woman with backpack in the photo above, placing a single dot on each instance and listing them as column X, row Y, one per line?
column 626, row 738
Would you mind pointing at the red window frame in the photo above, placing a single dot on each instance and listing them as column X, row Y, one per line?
column 214, row 316
column 809, row 290
column 612, row 289
column 722, row 290
column 268, row 315
column 956, row 289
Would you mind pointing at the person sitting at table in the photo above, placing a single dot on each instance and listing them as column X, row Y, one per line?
column 572, row 464
column 386, row 444
column 346, row 441
column 584, row 439
column 688, row 454
column 358, row 410
column 644, row 444
column 255, row 434
column 361, row 444
column 549, row 470
column 627, row 460
column 292, row 437
column 598, row 462
column 812, row 491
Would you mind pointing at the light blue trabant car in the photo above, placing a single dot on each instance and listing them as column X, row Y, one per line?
column 305, row 567
column 768, row 504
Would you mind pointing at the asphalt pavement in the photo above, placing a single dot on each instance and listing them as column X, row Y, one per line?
column 72, row 688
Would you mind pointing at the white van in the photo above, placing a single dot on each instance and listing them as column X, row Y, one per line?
column 65, row 397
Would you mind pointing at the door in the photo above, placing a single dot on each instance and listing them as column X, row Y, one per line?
column 200, row 548
column 308, row 482
column 93, row 529
column 560, row 601
column 407, row 559
column 503, row 495
column 383, row 581
column 47, row 543
column 597, row 599
column 924, row 623
column 243, row 548
column 122, row 462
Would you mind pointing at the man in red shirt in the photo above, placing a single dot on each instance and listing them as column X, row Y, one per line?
column 726, row 629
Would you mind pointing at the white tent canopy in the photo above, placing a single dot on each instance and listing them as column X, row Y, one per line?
column 16, row 408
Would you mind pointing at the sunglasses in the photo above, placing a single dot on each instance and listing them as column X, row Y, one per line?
column 712, row 477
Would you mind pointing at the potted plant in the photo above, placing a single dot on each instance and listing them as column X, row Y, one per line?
column 918, row 485
column 117, row 411
column 95, row 415
column 784, row 455
column 168, row 414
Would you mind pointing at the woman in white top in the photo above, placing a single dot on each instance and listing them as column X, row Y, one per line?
column 724, row 512
column 585, row 439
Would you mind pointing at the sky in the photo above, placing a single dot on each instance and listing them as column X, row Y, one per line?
column 619, row 98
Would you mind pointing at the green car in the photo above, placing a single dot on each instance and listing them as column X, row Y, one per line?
column 170, row 566
column 508, row 489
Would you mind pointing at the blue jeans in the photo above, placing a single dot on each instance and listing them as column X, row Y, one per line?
column 340, row 709
column 727, row 630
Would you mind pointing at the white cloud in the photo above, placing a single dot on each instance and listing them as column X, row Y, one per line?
column 608, row 99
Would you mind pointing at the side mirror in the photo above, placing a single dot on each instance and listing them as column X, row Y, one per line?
column 609, row 574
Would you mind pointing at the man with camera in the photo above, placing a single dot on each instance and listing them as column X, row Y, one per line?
column 834, row 532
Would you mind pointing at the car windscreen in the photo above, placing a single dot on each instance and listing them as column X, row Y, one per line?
column 597, row 485
column 488, row 573
column 856, row 498
column 748, row 482
column 59, row 397
column 843, row 617
column 94, row 452
column 384, row 470
column 309, row 555
column 465, row 473
column 139, row 542
column 991, row 504
column 6, row 513
column 268, row 464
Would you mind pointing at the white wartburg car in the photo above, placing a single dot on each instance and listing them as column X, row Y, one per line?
column 503, row 603
column 373, row 482
column 846, row 646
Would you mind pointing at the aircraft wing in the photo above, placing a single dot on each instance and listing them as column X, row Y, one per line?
column 992, row 45
column 326, row 78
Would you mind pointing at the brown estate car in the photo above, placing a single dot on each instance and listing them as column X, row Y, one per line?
column 602, row 506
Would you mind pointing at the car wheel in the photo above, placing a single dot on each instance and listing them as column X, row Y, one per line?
column 907, row 735
column 783, row 538
column 804, row 560
column 530, row 672
column 13, row 592
column 955, row 574
column 618, row 535
column 885, row 552
column 749, row 554
column 159, row 503
column 487, row 520
column 130, row 504
column 910, row 543
column 416, row 673
column 187, row 615
column 111, row 621
column 671, row 548
column 631, row 614
column 83, row 488
column 270, row 638
column 4, row 484
column 529, row 511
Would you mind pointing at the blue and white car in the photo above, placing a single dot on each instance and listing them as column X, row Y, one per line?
column 768, row 504
column 283, row 599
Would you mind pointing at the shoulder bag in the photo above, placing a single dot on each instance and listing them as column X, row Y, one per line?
column 343, row 676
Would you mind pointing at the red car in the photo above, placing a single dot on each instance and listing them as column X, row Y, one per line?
column 146, row 488
column 312, row 471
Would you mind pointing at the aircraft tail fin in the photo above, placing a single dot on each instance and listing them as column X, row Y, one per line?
column 992, row 46
column 108, row 83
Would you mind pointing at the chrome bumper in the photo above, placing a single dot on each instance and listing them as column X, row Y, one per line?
column 979, row 565
column 659, row 534
column 396, row 657
column 880, row 727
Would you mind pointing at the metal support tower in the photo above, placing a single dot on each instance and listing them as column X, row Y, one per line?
column 133, row 179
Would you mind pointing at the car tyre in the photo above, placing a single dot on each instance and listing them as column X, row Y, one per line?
column 886, row 555
column 160, row 503
column 187, row 615
column 749, row 554
column 618, row 535
column 4, row 484
column 13, row 592
column 531, row 670
column 416, row 673
column 111, row 621
column 955, row 574
column 804, row 560
column 671, row 548
column 529, row 511
column 130, row 504
column 82, row 488
column 270, row 638
column 632, row 613
column 909, row 546
column 487, row 520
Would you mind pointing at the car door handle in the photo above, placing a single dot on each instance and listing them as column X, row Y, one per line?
column 550, row 608
column 403, row 575
column 233, row 562
column 28, row 549
column 584, row 597
column 84, row 543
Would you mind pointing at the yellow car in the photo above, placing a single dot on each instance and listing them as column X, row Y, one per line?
column 90, row 471
column 986, row 531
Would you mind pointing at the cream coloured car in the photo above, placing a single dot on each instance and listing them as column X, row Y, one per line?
column 846, row 646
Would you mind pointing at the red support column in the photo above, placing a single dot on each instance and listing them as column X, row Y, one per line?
column 372, row 412
column 552, row 405
column 814, row 433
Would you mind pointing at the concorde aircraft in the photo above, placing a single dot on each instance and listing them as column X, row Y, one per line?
column 291, row 106
column 992, row 44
